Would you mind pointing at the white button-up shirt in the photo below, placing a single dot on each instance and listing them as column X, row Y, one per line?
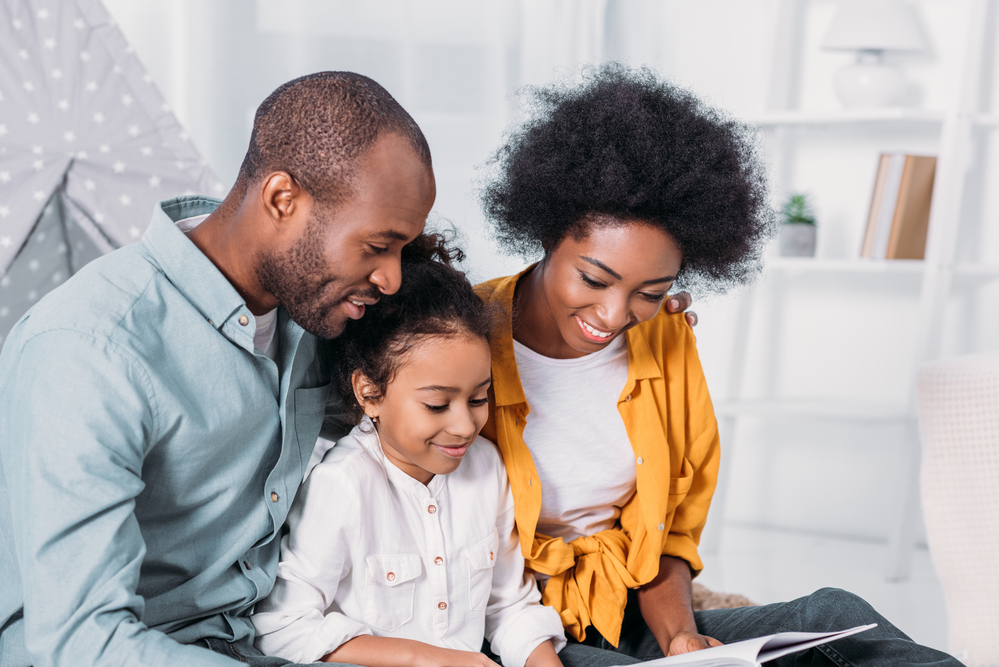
column 373, row 551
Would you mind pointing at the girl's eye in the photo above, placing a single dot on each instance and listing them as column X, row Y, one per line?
column 478, row 402
column 590, row 282
column 436, row 408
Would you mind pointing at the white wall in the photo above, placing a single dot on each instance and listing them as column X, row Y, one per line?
column 455, row 66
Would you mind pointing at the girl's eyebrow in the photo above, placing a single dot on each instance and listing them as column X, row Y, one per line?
column 453, row 390
column 599, row 264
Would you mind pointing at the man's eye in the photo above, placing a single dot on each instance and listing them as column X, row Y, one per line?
column 378, row 250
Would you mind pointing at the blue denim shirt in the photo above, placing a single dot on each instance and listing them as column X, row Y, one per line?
column 148, row 458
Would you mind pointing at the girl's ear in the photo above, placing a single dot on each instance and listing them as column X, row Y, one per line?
column 364, row 389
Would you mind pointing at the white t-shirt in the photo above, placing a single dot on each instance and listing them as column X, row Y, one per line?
column 580, row 447
column 264, row 339
column 372, row 551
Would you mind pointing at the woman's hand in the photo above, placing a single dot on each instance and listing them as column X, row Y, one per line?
column 685, row 642
column 679, row 303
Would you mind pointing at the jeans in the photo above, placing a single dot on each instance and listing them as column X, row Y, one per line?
column 828, row 609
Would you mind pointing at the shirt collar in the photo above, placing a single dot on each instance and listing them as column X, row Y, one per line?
column 190, row 271
column 507, row 387
column 367, row 435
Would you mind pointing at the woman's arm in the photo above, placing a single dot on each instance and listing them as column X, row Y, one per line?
column 372, row 651
column 665, row 603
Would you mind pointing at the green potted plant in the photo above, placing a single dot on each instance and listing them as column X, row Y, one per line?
column 797, row 234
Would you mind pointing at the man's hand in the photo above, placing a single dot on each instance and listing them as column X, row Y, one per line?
column 679, row 303
column 685, row 642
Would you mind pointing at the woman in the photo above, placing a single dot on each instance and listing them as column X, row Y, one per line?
column 629, row 186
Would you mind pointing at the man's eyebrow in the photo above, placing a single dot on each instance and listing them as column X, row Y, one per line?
column 598, row 263
column 391, row 235
column 452, row 390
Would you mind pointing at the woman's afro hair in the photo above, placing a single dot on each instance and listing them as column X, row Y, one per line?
column 629, row 145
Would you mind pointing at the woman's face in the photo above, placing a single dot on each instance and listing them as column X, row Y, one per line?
column 601, row 285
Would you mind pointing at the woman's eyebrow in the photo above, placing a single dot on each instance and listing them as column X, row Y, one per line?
column 598, row 263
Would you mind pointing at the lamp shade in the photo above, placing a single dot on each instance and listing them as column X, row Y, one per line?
column 881, row 25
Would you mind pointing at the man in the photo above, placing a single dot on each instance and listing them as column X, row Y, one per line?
column 158, row 410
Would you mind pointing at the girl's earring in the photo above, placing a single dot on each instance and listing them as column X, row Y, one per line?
column 374, row 420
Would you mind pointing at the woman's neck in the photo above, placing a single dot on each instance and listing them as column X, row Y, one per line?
column 534, row 325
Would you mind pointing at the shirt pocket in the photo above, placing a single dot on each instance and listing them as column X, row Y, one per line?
column 679, row 486
column 481, row 559
column 391, row 587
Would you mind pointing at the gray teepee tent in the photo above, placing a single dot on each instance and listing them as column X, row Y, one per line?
column 87, row 146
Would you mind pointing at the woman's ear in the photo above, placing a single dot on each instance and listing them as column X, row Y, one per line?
column 365, row 391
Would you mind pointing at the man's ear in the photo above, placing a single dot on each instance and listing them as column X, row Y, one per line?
column 366, row 394
column 284, row 200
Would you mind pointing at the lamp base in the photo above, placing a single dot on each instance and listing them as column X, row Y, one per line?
column 869, row 82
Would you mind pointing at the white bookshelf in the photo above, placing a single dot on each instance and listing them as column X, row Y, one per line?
column 954, row 130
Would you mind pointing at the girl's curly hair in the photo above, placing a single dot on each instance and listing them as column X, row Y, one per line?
column 632, row 146
column 435, row 299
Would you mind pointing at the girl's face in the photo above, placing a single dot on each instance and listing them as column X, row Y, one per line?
column 599, row 286
column 435, row 405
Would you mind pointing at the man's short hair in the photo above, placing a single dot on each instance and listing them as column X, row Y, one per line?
column 316, row 128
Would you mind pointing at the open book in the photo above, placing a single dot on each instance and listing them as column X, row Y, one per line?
column 753, row 652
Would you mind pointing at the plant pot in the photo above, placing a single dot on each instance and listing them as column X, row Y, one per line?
column 797, row 240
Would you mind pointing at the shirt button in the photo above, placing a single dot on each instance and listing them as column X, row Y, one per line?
column 661, row 526
column 244, row 320
column 274, row 496
column 490, row 555
column 432, row 509
column 442, row 605
column 438, row 561
column 390, row 576
column 246, row 564
column 640, row 461
column 627, row 398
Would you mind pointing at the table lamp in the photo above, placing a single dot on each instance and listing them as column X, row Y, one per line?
column 871, row 27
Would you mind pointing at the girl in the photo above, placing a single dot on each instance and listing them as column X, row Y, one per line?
column 402, row 549
column 628, row 185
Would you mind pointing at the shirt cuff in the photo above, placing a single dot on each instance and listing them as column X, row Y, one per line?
column 335, row 630
column 515, row 639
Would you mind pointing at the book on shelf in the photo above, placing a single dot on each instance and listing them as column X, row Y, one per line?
column 899, row 216
column 754, row 652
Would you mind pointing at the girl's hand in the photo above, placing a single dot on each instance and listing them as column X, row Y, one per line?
column 686, row 641
column 435, row 656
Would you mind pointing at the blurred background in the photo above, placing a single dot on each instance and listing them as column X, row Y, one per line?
column 813, row 367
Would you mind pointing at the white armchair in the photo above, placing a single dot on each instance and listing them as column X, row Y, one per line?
column 959, row 425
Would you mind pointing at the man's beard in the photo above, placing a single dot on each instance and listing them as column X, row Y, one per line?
column 298, row 279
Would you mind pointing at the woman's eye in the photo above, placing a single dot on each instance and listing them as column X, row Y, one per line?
column 478, row 402
column 435, row 408
column 590, row 281
column 654, row 298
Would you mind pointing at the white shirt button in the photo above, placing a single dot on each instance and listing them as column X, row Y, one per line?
column 661, row 526
column 640, row 461
column 244, row 320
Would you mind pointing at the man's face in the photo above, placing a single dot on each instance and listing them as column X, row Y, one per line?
column 349, row 255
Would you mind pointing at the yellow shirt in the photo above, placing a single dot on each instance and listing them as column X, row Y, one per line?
column 670, row 421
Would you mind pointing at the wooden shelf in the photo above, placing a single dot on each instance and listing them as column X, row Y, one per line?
column 827, row 408
column 893, row 115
